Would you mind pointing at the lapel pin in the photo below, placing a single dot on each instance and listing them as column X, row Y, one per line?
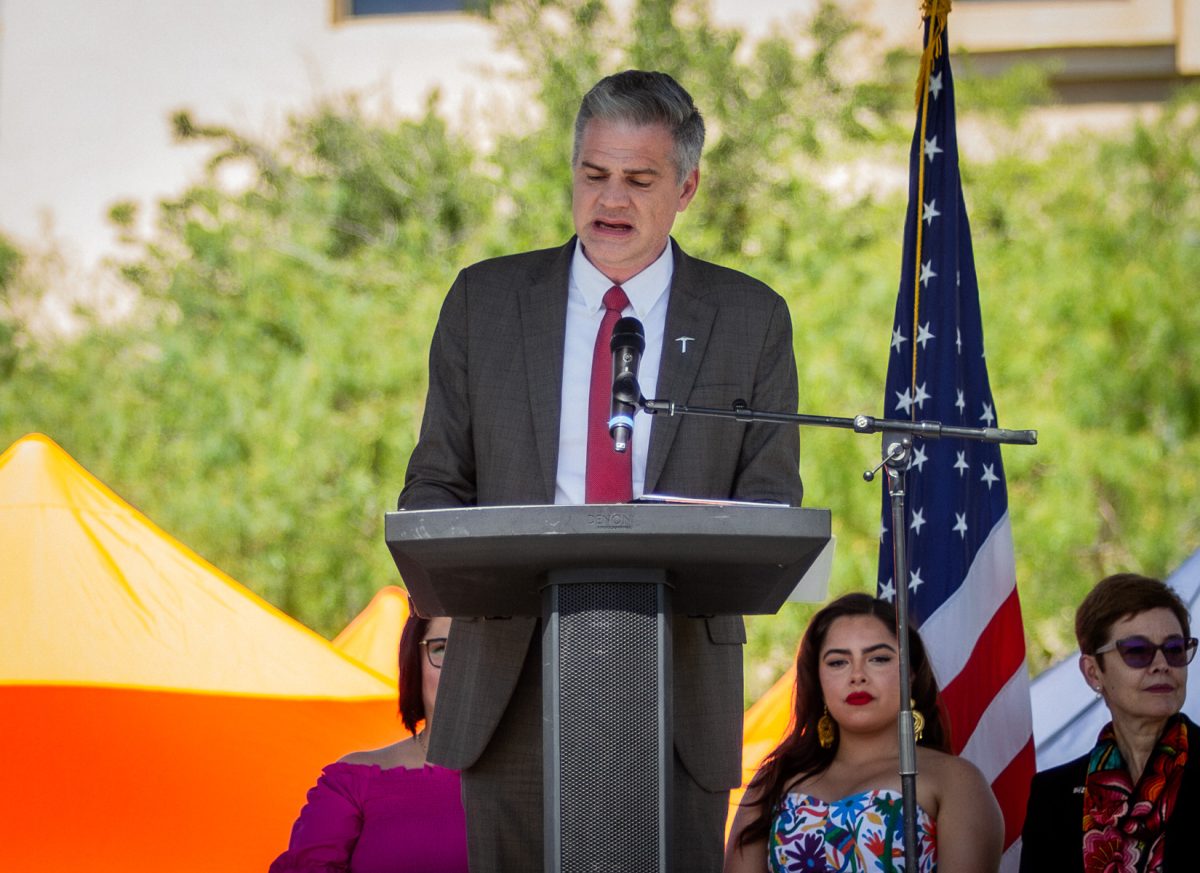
column 683, row 341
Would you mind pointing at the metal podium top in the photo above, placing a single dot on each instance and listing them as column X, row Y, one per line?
column 494, row 561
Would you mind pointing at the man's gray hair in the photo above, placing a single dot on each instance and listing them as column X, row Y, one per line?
column 640, row 97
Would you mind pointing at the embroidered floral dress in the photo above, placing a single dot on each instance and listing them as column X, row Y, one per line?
column 862, row 833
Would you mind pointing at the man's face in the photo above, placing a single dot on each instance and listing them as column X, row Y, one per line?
column 625, row 195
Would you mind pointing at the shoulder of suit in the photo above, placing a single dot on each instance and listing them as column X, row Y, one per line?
column 1074, row 772
column 705, row 278
column 1070, row 774
column 521, row 262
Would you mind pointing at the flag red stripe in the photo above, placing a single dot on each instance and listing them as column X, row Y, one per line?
column 1011, row 788
column 997, row 654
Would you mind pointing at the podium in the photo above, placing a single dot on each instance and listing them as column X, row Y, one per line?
column 606, row 582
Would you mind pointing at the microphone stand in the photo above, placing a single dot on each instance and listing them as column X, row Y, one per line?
column 897, row 451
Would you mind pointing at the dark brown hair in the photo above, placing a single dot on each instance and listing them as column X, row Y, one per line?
column 1120, row 596
column 800, row 754
column 412, row 701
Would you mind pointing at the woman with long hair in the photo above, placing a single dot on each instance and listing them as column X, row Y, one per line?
column 828, row 797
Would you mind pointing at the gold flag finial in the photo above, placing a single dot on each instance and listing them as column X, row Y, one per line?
column 936, row 11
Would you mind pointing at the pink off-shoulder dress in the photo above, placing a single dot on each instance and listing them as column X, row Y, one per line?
column 361, row 818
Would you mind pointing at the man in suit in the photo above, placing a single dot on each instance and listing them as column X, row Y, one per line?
column 507, row 423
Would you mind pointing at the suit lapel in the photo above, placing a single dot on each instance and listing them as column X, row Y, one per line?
column 543, row 302
column 688, row 315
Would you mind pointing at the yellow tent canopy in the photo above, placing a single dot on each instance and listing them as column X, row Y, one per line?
column 157, row 715
column 373, row 636
column 764, row 725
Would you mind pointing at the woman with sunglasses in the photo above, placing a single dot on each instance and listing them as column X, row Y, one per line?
column 1132, row 803
column 387, row 810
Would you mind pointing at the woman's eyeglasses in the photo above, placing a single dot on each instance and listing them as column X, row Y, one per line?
column 1139, row 652
column 435, row 650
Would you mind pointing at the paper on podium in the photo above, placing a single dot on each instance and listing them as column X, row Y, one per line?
column 813, row 586
column 706, row 501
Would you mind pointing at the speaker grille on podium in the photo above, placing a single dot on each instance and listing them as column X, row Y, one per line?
column 612, row 633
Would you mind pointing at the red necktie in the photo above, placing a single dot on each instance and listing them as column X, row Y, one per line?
column 609, row 472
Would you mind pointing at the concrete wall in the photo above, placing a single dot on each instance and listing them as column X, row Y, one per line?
column 87, row 88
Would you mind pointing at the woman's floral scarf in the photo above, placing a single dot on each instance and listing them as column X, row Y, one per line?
column 1124, row 828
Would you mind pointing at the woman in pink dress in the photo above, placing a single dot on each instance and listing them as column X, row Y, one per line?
column 388, row 810
column 828, row 798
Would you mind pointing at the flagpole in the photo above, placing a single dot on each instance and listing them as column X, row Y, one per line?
column 958, row 536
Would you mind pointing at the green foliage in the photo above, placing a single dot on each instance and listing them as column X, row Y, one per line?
column 262, row 400
column 1092, row 258
column 11, row 261
column 262, row 404
column 1005, row 97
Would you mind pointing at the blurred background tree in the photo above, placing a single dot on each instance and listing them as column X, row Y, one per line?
column 261, row 399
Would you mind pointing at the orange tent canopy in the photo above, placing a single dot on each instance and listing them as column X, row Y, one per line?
column 157, row 715
column 373, row 636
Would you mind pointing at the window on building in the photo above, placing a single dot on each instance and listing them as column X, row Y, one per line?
column 347, row 9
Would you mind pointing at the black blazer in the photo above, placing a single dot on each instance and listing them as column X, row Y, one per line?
column 1052, row 840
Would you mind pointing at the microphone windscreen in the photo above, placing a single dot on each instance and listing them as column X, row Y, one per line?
column 628, row 333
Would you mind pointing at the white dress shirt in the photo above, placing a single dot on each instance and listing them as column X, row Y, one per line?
column 648, row 293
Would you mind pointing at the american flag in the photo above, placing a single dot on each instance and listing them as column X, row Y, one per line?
column 962, row 578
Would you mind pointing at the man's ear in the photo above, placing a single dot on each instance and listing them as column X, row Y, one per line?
column 690, row 183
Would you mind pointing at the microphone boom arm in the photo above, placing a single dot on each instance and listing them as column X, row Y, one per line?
column 739, row 411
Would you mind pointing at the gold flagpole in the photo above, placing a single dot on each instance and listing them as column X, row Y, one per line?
column 935, row 11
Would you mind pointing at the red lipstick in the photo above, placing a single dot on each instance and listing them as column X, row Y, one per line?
column 859, row 698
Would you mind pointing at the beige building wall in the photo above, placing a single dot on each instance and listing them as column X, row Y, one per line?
column 1100, row 51
column 87, row 86
column 1187, row 24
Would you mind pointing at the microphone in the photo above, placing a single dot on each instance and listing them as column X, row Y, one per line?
column 628, row 343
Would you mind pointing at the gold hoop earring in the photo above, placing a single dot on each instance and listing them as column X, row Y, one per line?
column 825, row 730
column 918, row 720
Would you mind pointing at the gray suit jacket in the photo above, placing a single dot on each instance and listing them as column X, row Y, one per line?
column 490, row 437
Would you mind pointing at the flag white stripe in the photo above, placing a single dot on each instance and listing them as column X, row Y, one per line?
column 1004, row 729
column 965, row 614
column 1010, row 861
